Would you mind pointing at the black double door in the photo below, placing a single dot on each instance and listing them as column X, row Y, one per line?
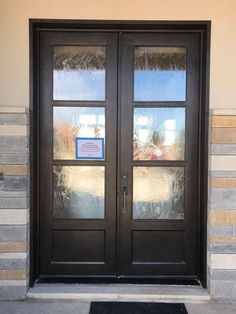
column 118, row 154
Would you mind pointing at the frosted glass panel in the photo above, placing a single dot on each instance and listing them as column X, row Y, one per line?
column 78, row 192
column 72, row 122
column 160, row 74
column 79, row 73
column 158, row 193
column 159, row 134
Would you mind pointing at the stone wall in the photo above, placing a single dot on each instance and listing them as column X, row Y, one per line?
column 13, row 203
column 222, row 205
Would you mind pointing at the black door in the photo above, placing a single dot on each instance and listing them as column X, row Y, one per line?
column 118, row 154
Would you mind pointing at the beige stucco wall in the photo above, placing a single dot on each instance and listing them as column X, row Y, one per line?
column 14, row 36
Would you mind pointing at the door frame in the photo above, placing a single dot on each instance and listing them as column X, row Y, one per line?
column 201, row 27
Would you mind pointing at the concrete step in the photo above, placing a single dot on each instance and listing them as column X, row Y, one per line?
column 120, row 292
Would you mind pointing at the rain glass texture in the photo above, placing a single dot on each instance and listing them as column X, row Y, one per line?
column 79, row 73
column 158, row 193
column 160, row 74
column 72, row 122
column 159, row 134
column 78, row 192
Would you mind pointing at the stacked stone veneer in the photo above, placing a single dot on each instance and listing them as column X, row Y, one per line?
column 222, row 205
column 13, row 203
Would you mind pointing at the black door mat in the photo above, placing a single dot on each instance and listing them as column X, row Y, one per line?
column 136, row 308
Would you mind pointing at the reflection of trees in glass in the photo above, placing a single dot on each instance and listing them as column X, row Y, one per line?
column 78, row 57
column 160, row 58
column 64, row 140
column 62, row 192
column 158, row 193
column 154, row 147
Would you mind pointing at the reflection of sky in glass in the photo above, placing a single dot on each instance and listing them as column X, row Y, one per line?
column 159, row 133
column 72, row 122
column 79, row 84
column 150, row 85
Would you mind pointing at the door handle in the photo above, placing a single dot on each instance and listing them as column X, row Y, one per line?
column 124, row 202
column 124, row 189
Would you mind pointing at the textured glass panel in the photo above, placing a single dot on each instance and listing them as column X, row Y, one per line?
column 72, row 122
column 160, row 74
column 78, row 192
column 158, row 193
column 159, row 134
column 78, row 73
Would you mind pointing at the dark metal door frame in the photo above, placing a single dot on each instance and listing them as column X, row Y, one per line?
column 201, row 27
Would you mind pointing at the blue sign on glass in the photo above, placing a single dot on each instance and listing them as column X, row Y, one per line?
column 89, row 148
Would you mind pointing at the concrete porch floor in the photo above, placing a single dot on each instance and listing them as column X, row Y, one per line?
column 42, row 306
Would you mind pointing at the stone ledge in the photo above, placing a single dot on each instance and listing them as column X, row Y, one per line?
column 13, row 119
column 8, row 247
column 12, row 283
column 21, row 255
column 13, row 203
column 14, row 170
column 13, row 130
column 223, row 248
column 223, row 261
column 222, row 163
column 223, row 182
column 223, row 135
column 13, row 216
column 218, row 274
column 13, row 233
column 222, row 174
column 222, row 239
column 12, row 274
column 226, row 217
column 223, row 290
column 223, row 121
column 13, row 109
column 222, row 149
column 14, row 141
column 12, row 292
column 13, row 263
column 223, row 112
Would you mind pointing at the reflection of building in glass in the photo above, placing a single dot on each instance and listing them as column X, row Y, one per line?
column 91, row 125
column 169, row 132
column 143, row 131
column 159, row 134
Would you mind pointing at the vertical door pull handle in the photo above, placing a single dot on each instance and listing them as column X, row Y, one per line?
column 124, row 202
column 124, row 189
